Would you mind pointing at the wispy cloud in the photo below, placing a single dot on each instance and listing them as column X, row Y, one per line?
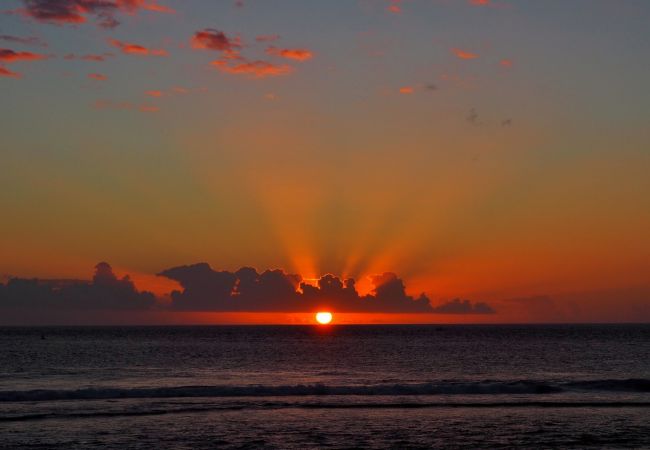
column 267, row 37
column 299, row 54
column 252, row 69
column 89, row 57
column 159, row 93
column 4, row 72
column 8, row 56
column 97, row 76
column 463, row 54
column 395, row 6
column 136, row 49
column 29, row 40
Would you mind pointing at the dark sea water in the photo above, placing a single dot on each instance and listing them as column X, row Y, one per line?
column 581, row 386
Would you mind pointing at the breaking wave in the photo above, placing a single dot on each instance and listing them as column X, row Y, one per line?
column 438, row 388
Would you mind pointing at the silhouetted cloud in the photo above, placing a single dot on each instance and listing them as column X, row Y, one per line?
column 205, row 289
column 104, row 292
column 457, row 306
column 104, row 12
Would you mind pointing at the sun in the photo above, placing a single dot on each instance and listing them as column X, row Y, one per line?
column 323, row 317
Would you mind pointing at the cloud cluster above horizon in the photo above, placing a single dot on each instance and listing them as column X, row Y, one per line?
column 245, row 290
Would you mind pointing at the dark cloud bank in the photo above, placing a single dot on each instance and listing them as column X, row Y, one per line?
column 204, row 289
column 104, row 292
column 72, row 12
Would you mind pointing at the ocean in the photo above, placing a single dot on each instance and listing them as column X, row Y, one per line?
column 356, row 386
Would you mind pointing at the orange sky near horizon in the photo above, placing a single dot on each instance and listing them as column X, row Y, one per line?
column 496, row 153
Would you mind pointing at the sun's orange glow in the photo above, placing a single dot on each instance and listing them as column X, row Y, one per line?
column 284, row 149
column 323, row 317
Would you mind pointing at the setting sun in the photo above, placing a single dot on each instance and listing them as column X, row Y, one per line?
column 323, row 317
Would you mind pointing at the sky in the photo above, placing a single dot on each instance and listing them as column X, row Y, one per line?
column 491, row 156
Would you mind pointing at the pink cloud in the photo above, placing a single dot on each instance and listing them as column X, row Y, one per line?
column 9, row 56
column 4, row 72
column 394, row 7
column 135, row 49
column 148, row 6
column 462, row 54
column 298, row 54
column 254, row 69
column 61, row 12
column 210, row 39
